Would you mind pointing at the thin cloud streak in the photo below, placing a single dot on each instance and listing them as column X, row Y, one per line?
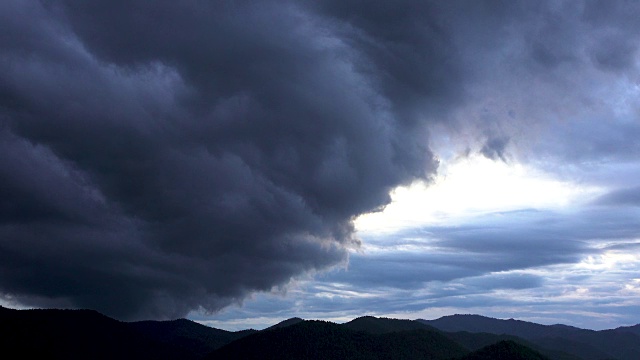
column 538, row 266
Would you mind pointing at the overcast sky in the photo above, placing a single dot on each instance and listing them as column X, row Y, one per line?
column 243, row 162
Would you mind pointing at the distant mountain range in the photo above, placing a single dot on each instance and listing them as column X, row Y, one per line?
column 86, row 334
column 622, row 343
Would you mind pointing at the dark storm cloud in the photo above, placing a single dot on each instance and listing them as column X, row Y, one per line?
column 166, row 156
column 398, row 40
column 558, row 79
column 163, row 157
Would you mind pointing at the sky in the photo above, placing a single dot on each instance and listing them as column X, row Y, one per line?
column 240, row 163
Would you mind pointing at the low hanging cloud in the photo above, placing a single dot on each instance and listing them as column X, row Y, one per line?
column 164, row 157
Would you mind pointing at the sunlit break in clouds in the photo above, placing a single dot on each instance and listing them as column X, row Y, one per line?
column 475, row 186
column 241, row 163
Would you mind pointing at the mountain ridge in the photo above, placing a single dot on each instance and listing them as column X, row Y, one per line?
column 383, row 325
column 314, row 339
column 285, row 323
column 623, row 344
column 90, row 334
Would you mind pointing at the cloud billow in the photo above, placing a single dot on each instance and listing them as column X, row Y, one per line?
column 178, row 156
column 171, row 156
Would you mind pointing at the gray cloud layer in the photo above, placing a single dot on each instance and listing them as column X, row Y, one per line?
column 169, row 156
column 543, row 265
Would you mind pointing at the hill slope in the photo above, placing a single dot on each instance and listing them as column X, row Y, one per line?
column 75, row 334
column 505, row 350
column 87, row 334
column 375, row 325
column 621, row 343
column 285, row 323
column 477, row 323
column 325, row 340
column 190, row 337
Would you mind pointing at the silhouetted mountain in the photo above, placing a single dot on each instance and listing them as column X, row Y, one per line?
column 615, row 344
column 470, row 341
column 192, row 338
column 375, row 325
column 418, row 344
column 622, row 344
column 325, row 340
column 477, row 323
column 285, row 323
column 87, row 334
column 476, row 341
column 582, row 350
column 505, row 350
column 80, row 334
column 633, row 329
column 75, row 334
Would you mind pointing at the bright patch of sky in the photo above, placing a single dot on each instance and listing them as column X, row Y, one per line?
column 472, row 186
